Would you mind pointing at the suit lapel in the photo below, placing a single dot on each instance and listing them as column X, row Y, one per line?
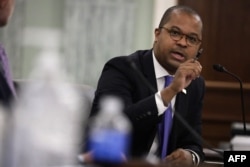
column 181, row 103
column 148, row 69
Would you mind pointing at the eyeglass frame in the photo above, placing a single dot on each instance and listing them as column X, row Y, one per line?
column 181, row 36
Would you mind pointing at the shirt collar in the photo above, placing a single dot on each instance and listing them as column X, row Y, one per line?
column 159, row 70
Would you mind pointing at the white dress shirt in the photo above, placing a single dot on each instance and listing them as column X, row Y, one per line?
column 160, row 74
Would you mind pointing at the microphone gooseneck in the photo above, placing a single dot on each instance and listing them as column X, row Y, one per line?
column 220, row 68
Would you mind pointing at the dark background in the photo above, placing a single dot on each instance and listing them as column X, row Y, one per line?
column 226, row 39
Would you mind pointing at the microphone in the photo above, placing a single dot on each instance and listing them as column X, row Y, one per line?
column 220, row 68
column 178, row 116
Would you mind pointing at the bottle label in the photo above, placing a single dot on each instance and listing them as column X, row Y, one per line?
column 109, row 146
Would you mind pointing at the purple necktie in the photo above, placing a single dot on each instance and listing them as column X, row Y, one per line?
column 166, row 124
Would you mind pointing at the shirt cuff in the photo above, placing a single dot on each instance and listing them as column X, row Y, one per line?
column 159, row 103
column 197, row 157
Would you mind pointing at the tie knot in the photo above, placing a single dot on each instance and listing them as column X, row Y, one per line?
column 168, row 80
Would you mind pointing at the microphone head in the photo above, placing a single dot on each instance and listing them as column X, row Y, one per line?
column 219, row 68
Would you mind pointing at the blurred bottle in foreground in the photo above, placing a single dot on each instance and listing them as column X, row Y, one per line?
column 109, row 133
column 47, row 120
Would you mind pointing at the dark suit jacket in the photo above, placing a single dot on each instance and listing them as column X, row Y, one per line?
column 118, row 78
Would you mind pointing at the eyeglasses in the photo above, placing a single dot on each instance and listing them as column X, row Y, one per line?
column 178, row 35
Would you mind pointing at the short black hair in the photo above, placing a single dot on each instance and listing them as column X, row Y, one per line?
column 167, row 15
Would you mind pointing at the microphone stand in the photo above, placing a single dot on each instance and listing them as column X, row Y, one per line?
column 220, row 68
column 242, row 101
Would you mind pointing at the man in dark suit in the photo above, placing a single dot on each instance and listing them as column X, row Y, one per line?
column 177, row 42
column 7, row 89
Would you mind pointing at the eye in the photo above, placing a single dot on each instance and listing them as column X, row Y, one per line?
column 191, row 39
column 175, row 33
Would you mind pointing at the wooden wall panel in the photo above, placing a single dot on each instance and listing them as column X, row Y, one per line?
column 226, row 37
column 222, row 107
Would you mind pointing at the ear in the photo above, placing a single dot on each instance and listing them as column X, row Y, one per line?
column 157, row 33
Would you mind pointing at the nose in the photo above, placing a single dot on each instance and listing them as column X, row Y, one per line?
column 183, row 41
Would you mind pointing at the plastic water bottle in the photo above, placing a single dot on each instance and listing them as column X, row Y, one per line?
column 109, row 136
column 47, row 118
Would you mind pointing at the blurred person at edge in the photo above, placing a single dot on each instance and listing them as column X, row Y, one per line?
column 7, row 89
column 176, row 44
